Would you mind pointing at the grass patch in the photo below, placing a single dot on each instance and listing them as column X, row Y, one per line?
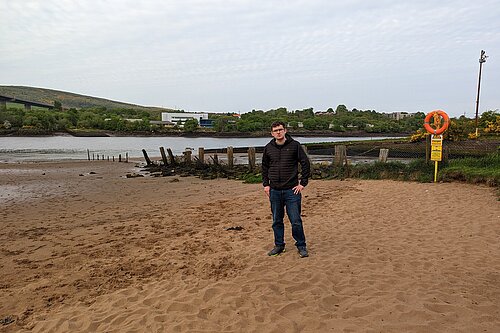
column 474, row 170
column 378, row 170
column 477, row 170
column 251, row 178
column 417, row 170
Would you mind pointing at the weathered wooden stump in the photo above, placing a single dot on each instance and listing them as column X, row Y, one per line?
column 340, row 155
column 384, row 153
column 187, row 156
column 251, row 158
column 146, row 157
column 230, row 157
column 163, row 156
column 201, row 155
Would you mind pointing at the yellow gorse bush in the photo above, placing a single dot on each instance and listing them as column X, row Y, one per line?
column 493, row 126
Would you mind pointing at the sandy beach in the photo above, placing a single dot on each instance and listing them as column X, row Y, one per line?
column 85, row 249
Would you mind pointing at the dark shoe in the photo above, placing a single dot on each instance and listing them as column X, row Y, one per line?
column 276, row 251
column 302, row 251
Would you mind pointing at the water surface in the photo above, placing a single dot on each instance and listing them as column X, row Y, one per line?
column 70, row 147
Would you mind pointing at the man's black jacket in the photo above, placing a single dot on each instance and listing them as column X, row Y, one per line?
column 280, row 165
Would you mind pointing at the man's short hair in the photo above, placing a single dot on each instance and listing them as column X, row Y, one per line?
column 278, row 123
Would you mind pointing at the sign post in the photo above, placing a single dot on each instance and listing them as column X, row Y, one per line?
column 436, row 152
column 436, row 136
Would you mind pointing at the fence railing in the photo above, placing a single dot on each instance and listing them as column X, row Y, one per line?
column 368, row 151
column 352, row 153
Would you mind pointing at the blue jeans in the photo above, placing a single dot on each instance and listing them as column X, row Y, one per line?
column 279, row 200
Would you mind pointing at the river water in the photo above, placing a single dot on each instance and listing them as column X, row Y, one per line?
column 48, row 148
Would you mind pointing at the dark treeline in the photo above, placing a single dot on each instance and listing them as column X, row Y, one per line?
column 339, row 120
column 130, row 120
column 122, row 120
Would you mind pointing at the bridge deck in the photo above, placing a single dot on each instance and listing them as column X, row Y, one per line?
column 5, row 99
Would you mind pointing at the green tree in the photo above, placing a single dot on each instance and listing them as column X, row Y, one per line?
column 63, row 123
column 294, row 124
column 191, row 125
column 459, row 129
column 72, row 115
column 32, row 121
column 114, row 123
column 47, row 120
column 14, row 116
column 57, row 106
column 322, row 123
column 341, row 108
column 222, row 124
column 304, row 114
column 89, row 119
column 488, row 117
column 309, row 124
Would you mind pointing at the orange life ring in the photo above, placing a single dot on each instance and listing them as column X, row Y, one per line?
column 438, row 130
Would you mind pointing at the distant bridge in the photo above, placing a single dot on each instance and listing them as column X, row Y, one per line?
column 27, row 104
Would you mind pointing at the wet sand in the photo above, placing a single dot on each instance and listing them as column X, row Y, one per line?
column 84, row 249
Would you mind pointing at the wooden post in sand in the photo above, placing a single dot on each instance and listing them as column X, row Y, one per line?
column 126, row 157
column 171, row 156
column 146, row 157
column 163, row 156
column 384, row 153
column 340, row 155
column 230, row 157
column 119, row 157
column 201, row 155
column 187, row 155
column 251, row 158
column 88, row 154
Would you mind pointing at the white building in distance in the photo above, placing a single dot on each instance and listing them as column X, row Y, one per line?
column 399, row 115
column 181, row 117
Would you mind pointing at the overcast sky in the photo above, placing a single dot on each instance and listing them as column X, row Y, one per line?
column 239, row 55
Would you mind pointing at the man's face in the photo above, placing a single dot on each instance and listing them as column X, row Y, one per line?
column 278, row 132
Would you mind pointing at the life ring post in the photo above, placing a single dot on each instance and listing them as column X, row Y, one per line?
column 436, row 114
column 436, row 137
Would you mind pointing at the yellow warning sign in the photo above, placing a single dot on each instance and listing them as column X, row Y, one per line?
column 436, row 147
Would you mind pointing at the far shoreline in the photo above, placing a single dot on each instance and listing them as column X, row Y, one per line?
column 199, row 134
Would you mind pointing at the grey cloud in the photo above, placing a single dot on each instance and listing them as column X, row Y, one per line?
column 194, row 53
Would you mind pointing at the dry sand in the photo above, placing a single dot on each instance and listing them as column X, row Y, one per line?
column 84, row 252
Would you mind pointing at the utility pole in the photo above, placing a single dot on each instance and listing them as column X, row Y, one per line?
column 482, row 59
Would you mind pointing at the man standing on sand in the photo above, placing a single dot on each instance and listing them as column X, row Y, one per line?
column 280, row 176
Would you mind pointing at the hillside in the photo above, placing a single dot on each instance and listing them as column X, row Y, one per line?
column 68, row 100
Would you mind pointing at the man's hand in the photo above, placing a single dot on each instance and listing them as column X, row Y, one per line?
column 297, row 189
column 267, row 189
